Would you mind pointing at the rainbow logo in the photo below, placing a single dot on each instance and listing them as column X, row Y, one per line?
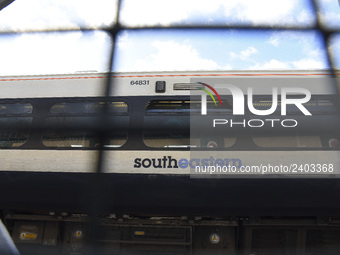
column 209, row 93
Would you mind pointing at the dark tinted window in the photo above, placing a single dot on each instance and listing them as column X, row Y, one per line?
column 76, row 124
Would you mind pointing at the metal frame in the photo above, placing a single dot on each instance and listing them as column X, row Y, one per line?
column 95, row 205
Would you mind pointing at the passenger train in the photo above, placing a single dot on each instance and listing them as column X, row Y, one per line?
column 57, row 123
column 225, row 146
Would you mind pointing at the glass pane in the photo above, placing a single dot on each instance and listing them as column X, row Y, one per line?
column 15, row 109
column 168, row 141
column 61, row 14
column 14, row 131
column 79, row 132
column 317, row 105
column 89, row 107
column 167, row 125
column 184, row 107
column 182, row 140
column 297, row 141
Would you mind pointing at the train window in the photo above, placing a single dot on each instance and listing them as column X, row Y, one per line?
column 15, row 124
column 183, row 140
column 316, row 105
column 89, row 107
column 14, row 131
column 167, row 125
column 15, row 109
column 288, row 141
column 185, row 106
column 168, row 106
column 75, row 125
column 168, row 141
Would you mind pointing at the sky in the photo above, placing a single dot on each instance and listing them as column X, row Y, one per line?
column 164, row 50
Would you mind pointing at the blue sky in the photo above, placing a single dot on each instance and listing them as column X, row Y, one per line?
column 171, row 50
column 220, row 50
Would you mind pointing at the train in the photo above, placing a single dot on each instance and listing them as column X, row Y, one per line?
column 193, row 162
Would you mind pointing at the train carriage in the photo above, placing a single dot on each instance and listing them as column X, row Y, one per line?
column 154, row 137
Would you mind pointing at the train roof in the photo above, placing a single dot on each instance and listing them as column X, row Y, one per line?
column 176, row 73
column 94, row 84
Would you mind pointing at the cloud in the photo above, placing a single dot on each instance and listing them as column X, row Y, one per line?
column 286, row 37
column 306, row 43
column 155, row 12
column 295, row 50
column 274, row 40
column 54, row 53
column 305, row 17
column 301, row 64
column 143, row 51
column 123, row 40
column 308, row 63
column 244, row 54
column 48, row 14
column 174, row 56
column 261, row 11
column 273, row 64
